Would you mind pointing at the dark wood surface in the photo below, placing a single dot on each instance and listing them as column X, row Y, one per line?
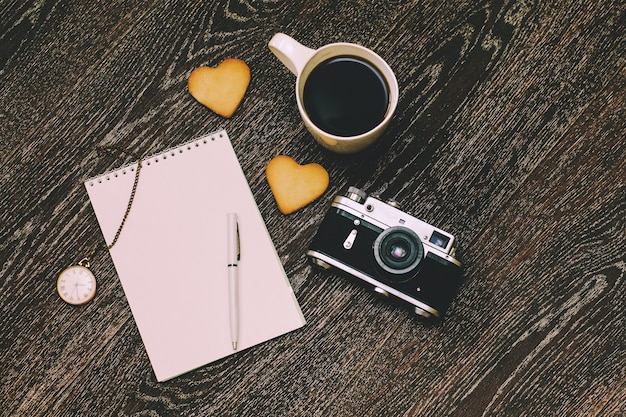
column 510, row 133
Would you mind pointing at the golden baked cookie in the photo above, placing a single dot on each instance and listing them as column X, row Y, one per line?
column 222, row 88
column 294, row 185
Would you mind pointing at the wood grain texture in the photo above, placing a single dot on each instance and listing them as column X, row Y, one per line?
column 509, row 134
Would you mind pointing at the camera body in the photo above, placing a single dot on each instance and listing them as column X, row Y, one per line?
column 397, row 255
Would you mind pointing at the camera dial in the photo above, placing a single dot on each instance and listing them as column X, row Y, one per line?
column 393, row 203
column 356, row 194
column 398, row 251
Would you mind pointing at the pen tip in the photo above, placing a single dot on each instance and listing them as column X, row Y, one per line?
column 234, row 345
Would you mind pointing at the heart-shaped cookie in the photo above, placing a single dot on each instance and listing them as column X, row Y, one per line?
column 222, row 88
column 294, row 185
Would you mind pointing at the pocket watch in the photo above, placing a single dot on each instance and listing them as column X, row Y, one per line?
column 77, row 284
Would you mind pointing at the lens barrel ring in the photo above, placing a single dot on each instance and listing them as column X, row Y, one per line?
column 398, row 251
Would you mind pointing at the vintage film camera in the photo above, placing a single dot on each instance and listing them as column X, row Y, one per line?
column 399, row 256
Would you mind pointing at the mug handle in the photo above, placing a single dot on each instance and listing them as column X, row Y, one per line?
column 291, row 53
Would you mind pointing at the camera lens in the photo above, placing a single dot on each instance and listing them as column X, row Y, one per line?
column 398, row 251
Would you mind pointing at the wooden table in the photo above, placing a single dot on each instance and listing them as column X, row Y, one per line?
column 509, row 134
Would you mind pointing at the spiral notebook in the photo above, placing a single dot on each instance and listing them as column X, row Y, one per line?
column 171, row 255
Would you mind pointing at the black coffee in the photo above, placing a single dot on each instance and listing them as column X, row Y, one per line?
column 346, row 96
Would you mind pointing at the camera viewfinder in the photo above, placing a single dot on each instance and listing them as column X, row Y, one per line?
column 438, row 239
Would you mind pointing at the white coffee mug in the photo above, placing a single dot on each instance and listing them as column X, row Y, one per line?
column 302, row 61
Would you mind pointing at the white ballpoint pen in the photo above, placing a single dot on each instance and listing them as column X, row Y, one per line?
column 233, row 284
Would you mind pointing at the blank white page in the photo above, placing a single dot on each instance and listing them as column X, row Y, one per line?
column 171, row 255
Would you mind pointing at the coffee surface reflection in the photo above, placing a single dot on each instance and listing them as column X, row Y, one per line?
column 346, row 96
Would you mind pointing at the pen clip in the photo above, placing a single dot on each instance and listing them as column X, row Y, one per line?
column 233, row 241
column 238, row 243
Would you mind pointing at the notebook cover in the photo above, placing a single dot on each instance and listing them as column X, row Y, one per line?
column 171, row 255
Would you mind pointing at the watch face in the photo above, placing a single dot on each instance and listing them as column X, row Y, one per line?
column 76, row 285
